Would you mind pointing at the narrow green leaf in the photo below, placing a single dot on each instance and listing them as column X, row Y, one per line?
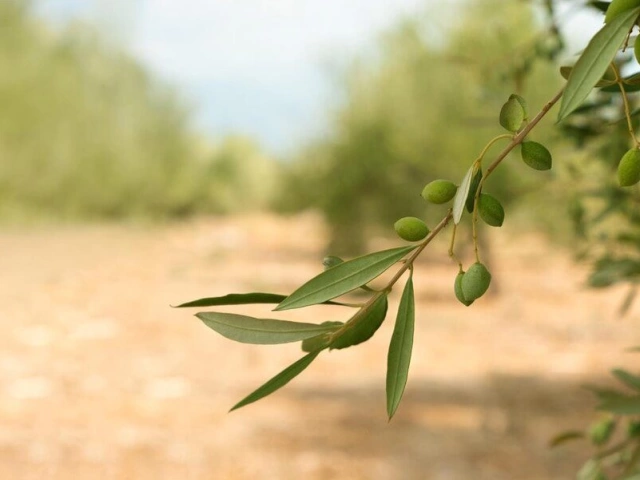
column 241, row 299
column 621, row 405
column 362, row 325
column 461, row 195
column 400, row 349
column 322, row 341
column 628, row 301
column 260, row 331
column 235, row 299
column 631, row 381
column 343, row 278
column 279, row 381
column 565, row 437
column 595, row 60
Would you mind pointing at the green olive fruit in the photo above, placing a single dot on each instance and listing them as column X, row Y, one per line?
column 457, row 288
column 522, row 102
column 616, row 7
column 512, row 115
column 490, row 210
column 439, row 191
column 475, row 282
column 636, row 48
column 629, row 168
column 331, row 261
column 411, row 229
column 536, row 155
column 600, row 432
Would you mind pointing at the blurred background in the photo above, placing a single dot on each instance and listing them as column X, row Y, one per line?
column 154, row 152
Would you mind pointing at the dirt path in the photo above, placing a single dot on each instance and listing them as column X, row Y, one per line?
column 100, row 379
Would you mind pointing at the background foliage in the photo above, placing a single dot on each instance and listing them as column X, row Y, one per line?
column 86, row 132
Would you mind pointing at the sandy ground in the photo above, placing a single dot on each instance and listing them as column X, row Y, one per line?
column 101, row 379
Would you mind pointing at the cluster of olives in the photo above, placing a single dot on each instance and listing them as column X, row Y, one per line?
column 472, row 284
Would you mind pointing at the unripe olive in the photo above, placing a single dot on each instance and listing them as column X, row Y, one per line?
column 439, row 191
column 522, row 102
column 600, row 432
column 636, row 48
column 616, row 7
column 629, row 168
column 475, row 282
column 457, row 288
column 490, row 210
column 512, row 115
column 411, row 229
column 536, row 155
column 331, row 261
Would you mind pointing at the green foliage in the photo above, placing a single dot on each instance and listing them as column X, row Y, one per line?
column 279, row 381
column 343, row 278
column 415, row 111
column 598, row 67
column 399, row 357
column 595, row 60
column 86, row 132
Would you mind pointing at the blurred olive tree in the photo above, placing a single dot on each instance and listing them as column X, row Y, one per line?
column 86, row 132
column 414, row 112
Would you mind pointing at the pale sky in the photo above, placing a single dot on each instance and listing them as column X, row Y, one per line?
column 255, row 66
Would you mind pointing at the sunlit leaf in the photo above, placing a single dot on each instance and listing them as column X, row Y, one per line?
column 260, row 331
column 362, row 325
column 279, row 381
column 565, row 437
column 400, row 349
column 595, row 60
column 343, row 278
column 461, row 195
column 631, row 381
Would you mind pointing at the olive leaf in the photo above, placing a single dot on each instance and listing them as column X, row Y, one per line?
column 240, row 299
column 631, row 381
column 400, row 348
column 260, row 331
column 362, row 325
column 473, row 189
column 565, row 437
column 322, row 341
column 279, row 381
column 343, row 278
column 461, row 196
column 595, row 60
column 621, row 405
